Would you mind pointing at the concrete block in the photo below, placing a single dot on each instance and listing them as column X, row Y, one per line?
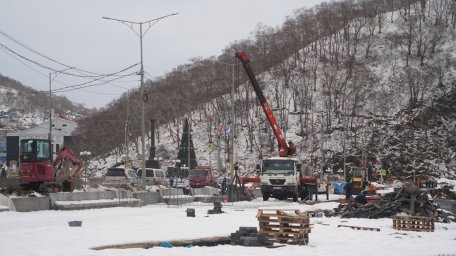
column 7, row 202
column 178, row 200
column 190, row 212
column 171, row 192
column 28, row 204
column 148, row 197
column 207, row 191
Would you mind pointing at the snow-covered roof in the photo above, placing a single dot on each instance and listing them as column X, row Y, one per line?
column 60, row 126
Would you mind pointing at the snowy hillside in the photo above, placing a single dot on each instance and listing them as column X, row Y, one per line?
column 22, row 107
column 373, row 111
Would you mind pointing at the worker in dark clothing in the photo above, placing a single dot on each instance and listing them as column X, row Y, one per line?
column 3, row 174
column 224, row 183
column 348, row 188
column 361, row 198
column 171, row 182
column 291, row 148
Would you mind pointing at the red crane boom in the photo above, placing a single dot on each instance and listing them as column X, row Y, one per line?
column 283, row 145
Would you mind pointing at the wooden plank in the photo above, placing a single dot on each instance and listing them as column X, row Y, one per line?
column 285, row 230
column 359, row 228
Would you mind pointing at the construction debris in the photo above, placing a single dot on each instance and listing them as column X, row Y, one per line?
column 217, row 208
column 249, row 236
column 190, row 212
column 442, row 193
column 408, row 199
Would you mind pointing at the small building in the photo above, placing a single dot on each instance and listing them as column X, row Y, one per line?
column 3, row 133
column 62, row 130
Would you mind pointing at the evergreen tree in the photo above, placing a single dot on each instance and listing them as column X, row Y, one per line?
column 184, row 147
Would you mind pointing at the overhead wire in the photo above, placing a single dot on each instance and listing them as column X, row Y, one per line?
column 83, row 73
column 97, row 79
column 72, row 88
column 93, row 74
column 11, row 52
column 23, row 63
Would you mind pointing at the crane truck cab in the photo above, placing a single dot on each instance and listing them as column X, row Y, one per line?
column 280, row 178
column 201, row 176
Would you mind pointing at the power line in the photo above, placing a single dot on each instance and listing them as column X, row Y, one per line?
column 10, row 52
column 93, row 74
column 97, row 79
column 27, row 59
column 23, row 63
column 73, row 87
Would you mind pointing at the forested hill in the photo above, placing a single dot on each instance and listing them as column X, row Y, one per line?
column 366, row 81
column 23, row 107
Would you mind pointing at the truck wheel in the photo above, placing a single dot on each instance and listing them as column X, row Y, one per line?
column 265, row 197
column 295, row 197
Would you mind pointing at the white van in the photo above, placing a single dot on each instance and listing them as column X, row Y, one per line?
column 120, row 175
column 154, row 176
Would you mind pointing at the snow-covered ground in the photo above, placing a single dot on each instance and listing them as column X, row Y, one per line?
column 48, row 233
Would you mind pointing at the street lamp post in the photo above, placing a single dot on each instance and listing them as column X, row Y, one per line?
column 85, row 155
column 141, row 34
column 178, row 166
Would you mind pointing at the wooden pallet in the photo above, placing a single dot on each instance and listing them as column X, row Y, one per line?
column 359, row 228
column 315, row 214
column 284, row 225
column 413, row 223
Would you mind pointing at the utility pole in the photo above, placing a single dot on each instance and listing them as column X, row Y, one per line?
column 322, row 148
column 127, row 131
column 188, row 140
column 219, row 160
column 233, row 124
column 50, row 117
column 51, row 148
column 141, row 34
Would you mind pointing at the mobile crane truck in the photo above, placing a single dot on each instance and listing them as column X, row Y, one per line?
column 280, row 177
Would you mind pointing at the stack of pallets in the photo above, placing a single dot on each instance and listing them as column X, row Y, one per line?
column 284, row 226
column 413, row 223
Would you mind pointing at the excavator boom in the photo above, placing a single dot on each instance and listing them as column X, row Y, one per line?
column 65, row 154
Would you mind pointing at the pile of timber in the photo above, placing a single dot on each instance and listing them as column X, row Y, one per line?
column 442, row 193
column 284, row 226
column 409, row 199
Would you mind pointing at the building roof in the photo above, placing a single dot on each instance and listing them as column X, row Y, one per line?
column 60, row 126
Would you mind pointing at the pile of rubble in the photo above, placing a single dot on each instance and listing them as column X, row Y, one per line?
column 408, row 199
column 443, row 193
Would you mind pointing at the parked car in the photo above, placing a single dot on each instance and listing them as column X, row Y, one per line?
column 120, row 175
column 154, row 176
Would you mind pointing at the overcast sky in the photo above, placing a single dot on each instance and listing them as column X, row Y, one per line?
column 74, row 33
